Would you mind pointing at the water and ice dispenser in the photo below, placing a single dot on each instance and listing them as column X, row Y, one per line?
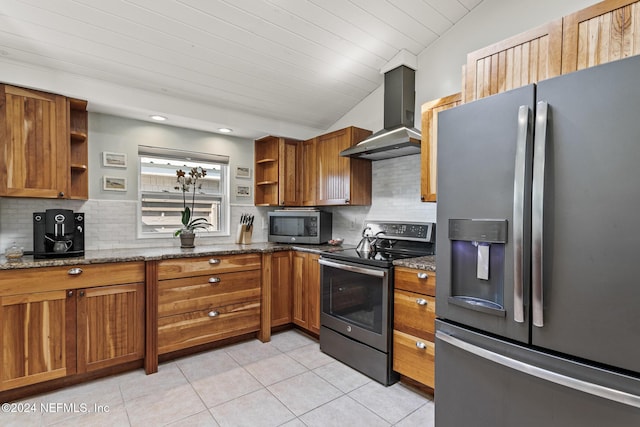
column 477, row 264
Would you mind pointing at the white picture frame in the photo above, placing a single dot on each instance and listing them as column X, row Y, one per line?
column 243, row 191
column 114, row 160
column 114, row 183
column 243, row 172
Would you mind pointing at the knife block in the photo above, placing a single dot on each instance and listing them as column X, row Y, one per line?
column 243, row 236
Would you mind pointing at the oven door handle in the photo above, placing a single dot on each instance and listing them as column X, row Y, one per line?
column 353, row 268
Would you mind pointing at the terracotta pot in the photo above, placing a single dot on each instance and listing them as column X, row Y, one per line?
column 186, row 239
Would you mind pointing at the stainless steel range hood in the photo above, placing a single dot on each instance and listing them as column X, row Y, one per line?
column 399, row 137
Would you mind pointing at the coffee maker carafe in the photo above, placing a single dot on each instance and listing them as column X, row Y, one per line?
column 58, row 233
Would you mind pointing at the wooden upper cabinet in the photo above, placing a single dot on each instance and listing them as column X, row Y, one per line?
column 277, row 169
column 309, row 172
column 604, row 32
column 78, row 151
column 342, row 180
column 43, row 137
column 34, row 143
column 517, row 61
column 429, row 144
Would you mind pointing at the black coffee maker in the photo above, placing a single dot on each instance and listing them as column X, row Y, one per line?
column 58, row 233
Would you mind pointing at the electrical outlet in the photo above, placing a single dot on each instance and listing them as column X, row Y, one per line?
column 352, row 224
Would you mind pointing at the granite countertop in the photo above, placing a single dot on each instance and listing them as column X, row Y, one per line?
column 151, row 254
column 421, row 263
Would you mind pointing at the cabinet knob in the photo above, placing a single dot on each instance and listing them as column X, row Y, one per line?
column 61, row 194
column 423, row 276
column 421, row 345
column 214, row 261
column 213, row 313
column 422, row 301
column 81, row 293
column 214, row 280
column 346, row 201
column 70, row 293
column 74, row 271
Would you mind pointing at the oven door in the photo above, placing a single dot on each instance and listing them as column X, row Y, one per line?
column 355, row 301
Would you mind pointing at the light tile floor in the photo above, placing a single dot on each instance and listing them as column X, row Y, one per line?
column 286, row 382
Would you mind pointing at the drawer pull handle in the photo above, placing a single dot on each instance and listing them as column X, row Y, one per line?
column 421, row 345
column 214, row 261
column 213, row 313
column 214, row 280
column 74, row 271
column 423, row 276
column 422, row 301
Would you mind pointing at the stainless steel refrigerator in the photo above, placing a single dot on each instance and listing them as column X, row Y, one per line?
column 538, row 254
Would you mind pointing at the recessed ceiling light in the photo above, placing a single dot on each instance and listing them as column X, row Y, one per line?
column 225, row 130
column 158, row 118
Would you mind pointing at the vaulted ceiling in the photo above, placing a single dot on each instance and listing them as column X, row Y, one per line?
column 304, row 62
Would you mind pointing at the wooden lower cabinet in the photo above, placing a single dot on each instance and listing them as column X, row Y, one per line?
column 76, row 328
column 306, row 291
column 110, row 326
column 281, row 288
column 414, row 324
column 37, row 337
column 195, row 309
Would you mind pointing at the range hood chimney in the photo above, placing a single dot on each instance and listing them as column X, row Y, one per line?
column 399, row 137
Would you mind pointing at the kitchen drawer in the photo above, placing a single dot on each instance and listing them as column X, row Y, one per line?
column 414, row 357
column 414, row 314
column 413, row 280
column 200, row 327
column 46, row 279
column 185, row 267
column 177, row 296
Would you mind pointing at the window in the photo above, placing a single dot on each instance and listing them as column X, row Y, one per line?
column 162, row 199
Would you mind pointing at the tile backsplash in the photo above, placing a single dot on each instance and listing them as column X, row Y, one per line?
column 113, row 223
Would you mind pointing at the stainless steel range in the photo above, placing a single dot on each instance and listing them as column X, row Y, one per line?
column 357, row 295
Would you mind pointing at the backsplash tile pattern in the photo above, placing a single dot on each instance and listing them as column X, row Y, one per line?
column 396, row 196
column 112, row 223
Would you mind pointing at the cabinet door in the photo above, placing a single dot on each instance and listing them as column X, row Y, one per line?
column 333, row 170
column 281, row 288
column 601, row 33
column 313, row 293
column 429, row 144
column 342, row 180
column 309, row 172
column 299, row 289
column 306, row 291
column 34, row 142
column 37, row 337
column 110, row 326
column 518, row 61
column 289, row 172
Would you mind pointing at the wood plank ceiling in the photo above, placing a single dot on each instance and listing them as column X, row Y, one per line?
column 307, row 62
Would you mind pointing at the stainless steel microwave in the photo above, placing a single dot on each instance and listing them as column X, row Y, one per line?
column 311, row 227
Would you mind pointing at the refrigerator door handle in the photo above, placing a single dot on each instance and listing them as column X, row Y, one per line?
column 537, row 212
column 544, row 374
column 522, row 145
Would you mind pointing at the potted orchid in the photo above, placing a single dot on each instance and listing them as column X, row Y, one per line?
column 187, row 182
